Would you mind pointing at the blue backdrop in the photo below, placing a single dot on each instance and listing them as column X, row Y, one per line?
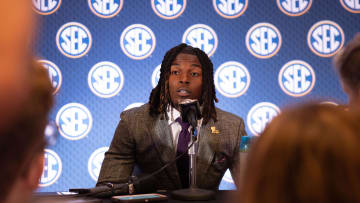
column 103, row 56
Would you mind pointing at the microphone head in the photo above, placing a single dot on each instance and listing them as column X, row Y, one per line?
column 190, row 111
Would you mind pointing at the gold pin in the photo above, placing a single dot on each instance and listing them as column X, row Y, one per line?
column 214, row 130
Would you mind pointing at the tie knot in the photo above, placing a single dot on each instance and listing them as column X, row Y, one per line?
column 184, row 125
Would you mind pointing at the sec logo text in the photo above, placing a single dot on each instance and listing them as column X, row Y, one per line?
column 52, row 168
column 352, row 6
column 105, row 8
column 168, row 9
column 54, row 74
column 45, row 7
column 74, row 121
column 105, row 79
column 297, row 78
column 232, row 79
column 137, row 41
column 260, row 115
column 263, row 40
column 294, row 7
column 73, row 40
column 202, row 37
column 230, row 8
column 95, row 161
column 325, row 38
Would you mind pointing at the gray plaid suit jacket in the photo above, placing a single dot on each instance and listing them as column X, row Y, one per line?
column 146, row 142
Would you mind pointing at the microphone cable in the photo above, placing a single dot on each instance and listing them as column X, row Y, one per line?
column 130, row 186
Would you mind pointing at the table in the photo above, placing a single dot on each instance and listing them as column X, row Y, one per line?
column 221, row 197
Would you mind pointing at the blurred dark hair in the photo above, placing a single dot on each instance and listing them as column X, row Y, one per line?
column 306, row 154
column 24, row 137
column 347, row 63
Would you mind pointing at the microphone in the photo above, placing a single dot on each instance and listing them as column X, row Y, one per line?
column 190, row 111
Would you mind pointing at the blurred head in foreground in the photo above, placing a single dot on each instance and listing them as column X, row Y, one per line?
column 22, row 140
column 16, row 40
column 306, row 154
column 347, row 63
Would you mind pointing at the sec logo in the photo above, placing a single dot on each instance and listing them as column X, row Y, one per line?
column 133, row 105
column 52, row 168
column 232, row 79
column 352, row 6
column 202, row 37
column 297, row 78
column 137, row 41
column 325, row 38
column 230, row 8
column 168, row 9
column 155, row 77
column 73, row 40
column 46, row 7
column 260, row 115
column 105, row 79
column 54, row 74
column 95, row 161
column 74, row 121
column 105, row 8
column 263, row 40
column 294, row 7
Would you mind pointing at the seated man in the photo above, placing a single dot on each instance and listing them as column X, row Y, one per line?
column 306, row 154
column 22, row 140
column 152, row 135
column 347, row 64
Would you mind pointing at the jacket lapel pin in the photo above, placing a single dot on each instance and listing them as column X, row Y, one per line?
column 214, row 130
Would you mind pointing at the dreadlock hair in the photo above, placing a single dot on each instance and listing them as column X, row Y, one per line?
column 160, row 96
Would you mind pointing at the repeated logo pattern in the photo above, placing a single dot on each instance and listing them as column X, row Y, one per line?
column 74, row 121
column 230, row 8
column 105, row 8
column 155, row 76
column 297, row 78
column 201, row 36
column 260, row 115
column 46, row 7
column 274, row 51
column 54, row 74
column 73, row 40
column 325, row 38
column 105, row 79
column 263, row 40
column 294, row 7
column 168, row 9
column 95, row 161
column 352, row 6
column 138, row 41
column 232, row 79
column 52, row 168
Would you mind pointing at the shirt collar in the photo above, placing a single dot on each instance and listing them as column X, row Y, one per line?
column 172, row 114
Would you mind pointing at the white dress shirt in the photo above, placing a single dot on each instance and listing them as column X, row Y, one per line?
column 175, row 127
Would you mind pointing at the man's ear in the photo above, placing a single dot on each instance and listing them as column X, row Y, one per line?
column 35, row 171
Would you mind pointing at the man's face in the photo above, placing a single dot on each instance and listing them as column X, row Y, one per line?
column 185, row 80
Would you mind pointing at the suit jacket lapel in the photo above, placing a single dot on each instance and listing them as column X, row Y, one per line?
column 205, row 151
column 163, row 141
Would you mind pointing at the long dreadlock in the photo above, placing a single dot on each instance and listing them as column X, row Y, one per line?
column 160, row 96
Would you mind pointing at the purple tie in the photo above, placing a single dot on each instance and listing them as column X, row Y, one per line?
column 183, row 163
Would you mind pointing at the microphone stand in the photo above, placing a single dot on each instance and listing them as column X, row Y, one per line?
column 193, row 192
